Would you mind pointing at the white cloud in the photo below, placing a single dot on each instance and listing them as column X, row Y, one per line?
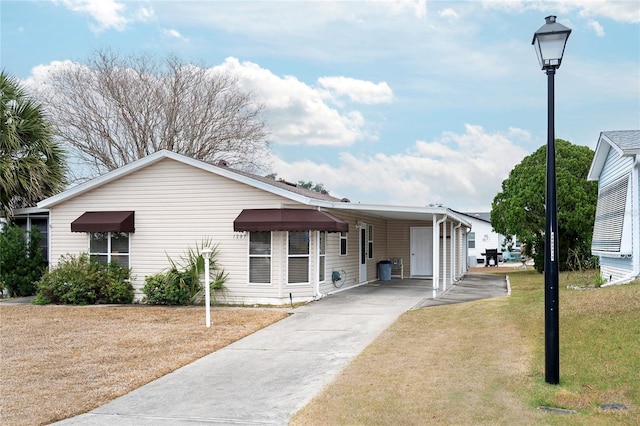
column 417, row 7
column 462, row 171
column 621, row 11
column 361, row 91
column 617, row 10
column 595, row 25
column 448, row 13
column 174, row 34
column 108, row 14
column 296, row 112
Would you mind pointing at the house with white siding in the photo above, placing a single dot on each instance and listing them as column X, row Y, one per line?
column 278, row 242
column 616, row 232
column 483, row 237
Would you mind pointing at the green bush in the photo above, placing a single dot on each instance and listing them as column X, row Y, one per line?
column 181, row 284
column 169, row 288
column 82, row 281
column 21, row 261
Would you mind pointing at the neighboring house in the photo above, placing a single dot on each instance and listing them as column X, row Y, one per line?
column 483, row 237
column 277, row 241
column 33, row 217
column 616, row 232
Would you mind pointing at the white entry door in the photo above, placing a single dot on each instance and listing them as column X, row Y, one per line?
column 421, row 252
column 362, row 260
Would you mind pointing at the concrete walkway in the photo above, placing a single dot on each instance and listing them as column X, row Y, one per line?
column 265, row 378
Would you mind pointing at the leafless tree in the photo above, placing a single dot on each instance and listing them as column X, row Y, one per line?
column 114, row 110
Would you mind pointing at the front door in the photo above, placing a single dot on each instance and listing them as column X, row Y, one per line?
column 363, row 254
column 422, row 252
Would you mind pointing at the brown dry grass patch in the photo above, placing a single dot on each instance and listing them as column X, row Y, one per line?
column 458, row 364
column 60, row 361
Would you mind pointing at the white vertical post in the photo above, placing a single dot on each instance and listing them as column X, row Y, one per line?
column 206, row 253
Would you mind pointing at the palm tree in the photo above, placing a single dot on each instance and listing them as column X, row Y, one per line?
column 32, row 164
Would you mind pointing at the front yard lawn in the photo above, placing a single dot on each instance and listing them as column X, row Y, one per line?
column 60, row 361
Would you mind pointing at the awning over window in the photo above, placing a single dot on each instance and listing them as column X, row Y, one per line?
column 104, row 222
column 288, row 220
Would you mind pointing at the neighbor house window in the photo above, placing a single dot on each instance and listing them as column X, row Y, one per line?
column 472, row 240
column 370, row 242
column 610, row 212
column 343, row 244
column 298, row 257
column 107, row 247
column 42, row 223
column 322, row 254
column 260, row 257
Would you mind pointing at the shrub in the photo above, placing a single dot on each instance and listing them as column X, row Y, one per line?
column 169, row 288
column 82, row 281
column 181, row 284
column 21, row 261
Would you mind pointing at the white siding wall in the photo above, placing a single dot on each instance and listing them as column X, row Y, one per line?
column 486, row 238
column 613, row 269
column 615, row 167
column 176, row 206
column 350, row 263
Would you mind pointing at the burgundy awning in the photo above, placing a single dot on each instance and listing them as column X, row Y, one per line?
column 288, row 220
column 119, row 221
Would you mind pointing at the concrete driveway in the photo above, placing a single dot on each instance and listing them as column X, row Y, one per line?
column 265, row 378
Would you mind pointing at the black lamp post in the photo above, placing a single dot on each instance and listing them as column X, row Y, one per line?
column 549, row 42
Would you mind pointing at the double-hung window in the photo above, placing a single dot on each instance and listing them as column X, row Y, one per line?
column 260, row 257
column 370, row 241
column 322, row 255
column 107, row 247
column 298, row 257
column 472, row 240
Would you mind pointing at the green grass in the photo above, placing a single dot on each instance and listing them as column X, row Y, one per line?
column 482, row 363
column 599, row 346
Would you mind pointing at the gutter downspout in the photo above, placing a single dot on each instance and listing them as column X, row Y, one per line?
column 436, row 252
column 444, row 255
column 635, row 220
column 317, row 286
column 454, row 252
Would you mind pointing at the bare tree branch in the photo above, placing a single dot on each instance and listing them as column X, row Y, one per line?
column 114, row 110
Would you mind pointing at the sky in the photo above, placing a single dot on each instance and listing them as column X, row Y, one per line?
column 410, row 103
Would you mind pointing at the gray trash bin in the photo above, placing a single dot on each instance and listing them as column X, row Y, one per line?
column 384, row 270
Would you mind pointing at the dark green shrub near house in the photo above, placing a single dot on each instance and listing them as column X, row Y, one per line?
column 181, row 284
column 82, row 281
column 21, row 261
column 169, row 288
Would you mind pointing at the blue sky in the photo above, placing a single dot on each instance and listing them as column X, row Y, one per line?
column 384, row 102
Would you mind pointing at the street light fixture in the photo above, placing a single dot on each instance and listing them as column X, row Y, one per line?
column 206, row 254
column 549, row 42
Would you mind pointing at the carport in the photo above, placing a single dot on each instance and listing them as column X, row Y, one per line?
column 430, row 241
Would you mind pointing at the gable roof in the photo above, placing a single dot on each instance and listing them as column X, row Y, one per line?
column 482, row 216
column 625, row 142
column 286, row 190
column 295, row 193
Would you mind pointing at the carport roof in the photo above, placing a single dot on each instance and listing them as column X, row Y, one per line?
column 400, row 212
